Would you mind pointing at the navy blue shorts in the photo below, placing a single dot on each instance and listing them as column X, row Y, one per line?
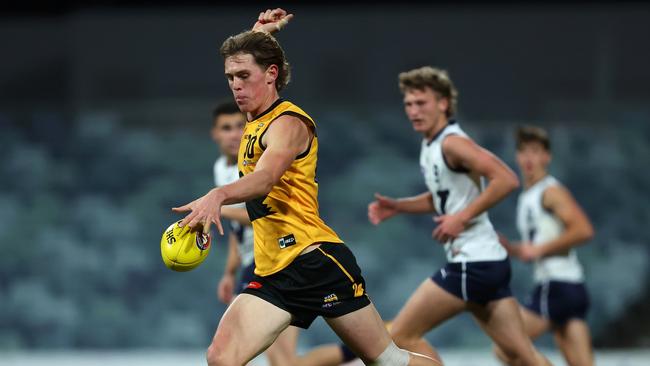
column 246, row 276
column 559, row 301
column 478, row 282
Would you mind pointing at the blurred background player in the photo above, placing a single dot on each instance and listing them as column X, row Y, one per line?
column 477, row 275
column 551, row 224
column 227, row 129
column 302, row 268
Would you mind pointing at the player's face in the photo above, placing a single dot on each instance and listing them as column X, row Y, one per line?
column 533, row 159
column 227, row 132
column 249, row 83
column 425, row 110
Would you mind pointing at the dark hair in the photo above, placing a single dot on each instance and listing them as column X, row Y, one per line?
column 436, row 79
column 265, row 49
column 224, row 108
column 527, row 134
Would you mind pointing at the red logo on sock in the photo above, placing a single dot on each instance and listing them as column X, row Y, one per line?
column 254, row 285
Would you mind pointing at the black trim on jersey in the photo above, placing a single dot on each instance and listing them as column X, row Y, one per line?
column 269, row 109
column 257, row 209
column 303, row 118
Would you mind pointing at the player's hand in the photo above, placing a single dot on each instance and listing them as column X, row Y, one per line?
column 527, row 252
column 225, row 288
column 271, row 21
column 204, row 211
column 383, row 208
column 449, row 227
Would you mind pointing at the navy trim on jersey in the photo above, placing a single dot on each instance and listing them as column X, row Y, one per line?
column 450, row 122
column 444, row 158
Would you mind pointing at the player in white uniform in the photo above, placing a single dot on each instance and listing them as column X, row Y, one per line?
column 551, row 224
column 477, row 275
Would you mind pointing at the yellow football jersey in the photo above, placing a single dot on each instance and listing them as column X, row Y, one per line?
column 285, row 221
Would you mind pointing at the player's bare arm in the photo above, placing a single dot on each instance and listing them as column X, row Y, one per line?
column 577, row 227
column 384, row 207
column 238, row 214
column 464, row 153
column 226, row 285
column 285, row 139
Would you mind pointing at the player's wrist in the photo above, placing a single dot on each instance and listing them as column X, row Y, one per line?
column 464, row 217
column 221, row 194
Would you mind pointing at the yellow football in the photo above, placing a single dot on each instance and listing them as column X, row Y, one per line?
column 182, row 249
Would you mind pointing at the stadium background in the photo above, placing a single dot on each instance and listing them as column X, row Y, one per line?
column 104, row 117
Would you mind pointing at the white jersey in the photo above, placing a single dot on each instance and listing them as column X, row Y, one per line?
column 538, row 226
column 226, row 174
column 453, row 191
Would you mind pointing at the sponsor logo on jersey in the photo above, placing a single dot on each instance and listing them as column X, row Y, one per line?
column 254, row 285
column 287, row 241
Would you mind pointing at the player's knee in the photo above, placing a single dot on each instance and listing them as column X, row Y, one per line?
column 392, row 356
column 216, row 357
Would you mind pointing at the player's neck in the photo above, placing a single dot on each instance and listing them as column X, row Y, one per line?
column 532, row 179
column 268, row 101
column 439, row 126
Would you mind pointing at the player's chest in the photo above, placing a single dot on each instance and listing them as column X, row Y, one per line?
column 433, row 167
column 250, row 148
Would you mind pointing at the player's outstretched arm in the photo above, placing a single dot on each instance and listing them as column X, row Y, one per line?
column 383, row 208
column 462, row 152
column 271, row 21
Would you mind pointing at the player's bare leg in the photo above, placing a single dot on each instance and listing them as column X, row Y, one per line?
column 326, row 355
column 283, row 351
column 574, row 340
column 501, row 320
column 428, row 307
column 241, row 335
column 365, row 333
column 534, row 326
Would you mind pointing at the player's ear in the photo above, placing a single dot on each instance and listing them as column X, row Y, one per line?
column 271, row 74
column 443, row 104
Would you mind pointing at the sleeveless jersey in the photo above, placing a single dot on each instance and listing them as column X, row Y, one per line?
column 538, row 226
column 286, row 220
column 226, row 174
column 452, row 191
